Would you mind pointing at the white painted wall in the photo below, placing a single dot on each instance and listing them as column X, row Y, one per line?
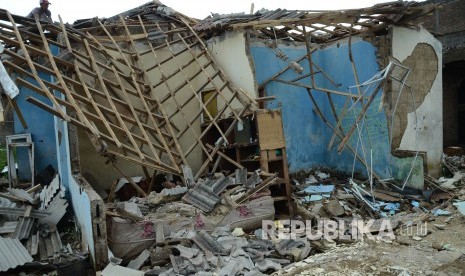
column 230, row 52
column 428, row 136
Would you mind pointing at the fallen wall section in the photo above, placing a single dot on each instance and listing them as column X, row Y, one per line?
column 89, row 210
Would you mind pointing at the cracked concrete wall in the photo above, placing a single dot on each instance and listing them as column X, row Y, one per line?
column 418, row 120
column 231, row 53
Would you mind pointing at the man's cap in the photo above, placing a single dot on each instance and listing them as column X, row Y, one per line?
column 45, row 2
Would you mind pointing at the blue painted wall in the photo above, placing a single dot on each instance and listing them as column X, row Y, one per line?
column 41, row 126
column 307, row 136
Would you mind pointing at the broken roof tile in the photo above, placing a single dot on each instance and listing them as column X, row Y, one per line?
column 202, row 197
column 208, row 243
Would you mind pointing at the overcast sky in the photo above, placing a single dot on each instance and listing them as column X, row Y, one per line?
column 80, row 9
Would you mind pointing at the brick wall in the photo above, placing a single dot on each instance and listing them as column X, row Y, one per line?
column 447, row 18
column 448, row 25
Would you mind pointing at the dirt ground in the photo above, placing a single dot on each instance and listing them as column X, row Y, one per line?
column 440, row 252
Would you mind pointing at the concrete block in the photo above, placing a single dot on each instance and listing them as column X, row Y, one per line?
column 334, row 208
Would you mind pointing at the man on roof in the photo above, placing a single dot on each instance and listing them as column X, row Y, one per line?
column 43, row 12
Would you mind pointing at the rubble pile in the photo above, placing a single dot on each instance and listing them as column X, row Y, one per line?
column 28, row 227
column 207, row 228
column 227, row 226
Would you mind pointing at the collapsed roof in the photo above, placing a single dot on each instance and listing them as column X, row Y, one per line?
column 321, row 26
column 136, row 81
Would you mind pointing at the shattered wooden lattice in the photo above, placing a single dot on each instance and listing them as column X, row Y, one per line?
column 135, row 85
column 321, row 26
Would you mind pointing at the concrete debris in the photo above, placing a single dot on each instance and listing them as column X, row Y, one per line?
column 123, row 181
column 112, row 270
column 139, row 261
column 267, row 266
column 334, row 208
column 213, row 177
column 230, row 242
column 238, row 232
column 188, row 176
column 460, row 207
column 185, row 252
column 208, row 243
column 166, row 195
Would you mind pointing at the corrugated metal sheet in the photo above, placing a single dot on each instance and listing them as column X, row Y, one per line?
column 57, row 209
column 55, row 240
column 24, row 227
column 49, row 192
column 12, row 254
column 21, row 211
column 8, row 227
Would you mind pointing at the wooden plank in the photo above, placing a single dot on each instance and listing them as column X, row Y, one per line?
column 359, row 118
column 316, row 88
column 218, row 91
column 170, row 129
column 217, row 146
column 139, row 124
column 154, row 165
column 129, row 179
column 144, row 103
column 320, row 114
column 18, row 112
column 287, row 182
column 270, row 129
column 226, row 157
column 58, row 76
column 111, row 195
column 264, row 160
column 222, row 75
column 267, row 182
column 96, row 108
column 33, row 69
column 172, row 93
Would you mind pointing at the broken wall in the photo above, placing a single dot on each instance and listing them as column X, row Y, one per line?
column 231, row 52
column 421, row 127
column 307, row 136
column 90, row 217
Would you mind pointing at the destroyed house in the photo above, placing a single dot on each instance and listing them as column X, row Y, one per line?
column 153, row 92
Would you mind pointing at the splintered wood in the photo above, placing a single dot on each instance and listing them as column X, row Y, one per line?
column 133, row 83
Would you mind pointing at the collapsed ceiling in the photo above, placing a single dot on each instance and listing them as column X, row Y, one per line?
column 140, row 83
